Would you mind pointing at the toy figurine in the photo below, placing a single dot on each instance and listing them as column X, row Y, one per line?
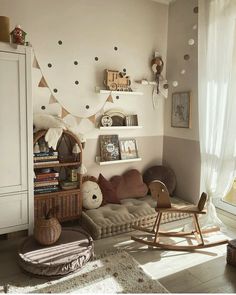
column 117, row 81
column 18, row 36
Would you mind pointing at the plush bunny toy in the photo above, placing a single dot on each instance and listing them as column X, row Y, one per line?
column 91, row 194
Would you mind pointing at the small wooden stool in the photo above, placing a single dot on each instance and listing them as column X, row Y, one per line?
column 231, row 252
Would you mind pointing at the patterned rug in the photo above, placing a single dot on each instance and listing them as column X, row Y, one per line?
column 114, row 273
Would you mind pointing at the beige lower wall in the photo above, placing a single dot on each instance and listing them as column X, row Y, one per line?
column 183, row 156
column 150, row 149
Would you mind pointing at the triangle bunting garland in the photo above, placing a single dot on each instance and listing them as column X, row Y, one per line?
column 78, row 119
column 35, row 63
column 52, row 99
column 43, row 82
column 64, row 113
column 110, row 99
column 92, row 119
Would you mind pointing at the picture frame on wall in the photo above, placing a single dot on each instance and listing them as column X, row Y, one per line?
column 128, row 148
column 131, row 120
column 181, row 110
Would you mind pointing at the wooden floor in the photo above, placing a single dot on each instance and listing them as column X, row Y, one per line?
column 204, row 271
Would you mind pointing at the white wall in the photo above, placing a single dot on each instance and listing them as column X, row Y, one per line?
column 90, row 28
column 181, row 22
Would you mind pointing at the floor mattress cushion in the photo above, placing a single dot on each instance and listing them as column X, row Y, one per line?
column 113, row 219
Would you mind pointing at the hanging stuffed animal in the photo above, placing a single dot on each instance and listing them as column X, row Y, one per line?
column 157, row 67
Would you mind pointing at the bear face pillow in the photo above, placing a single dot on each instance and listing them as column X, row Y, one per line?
column 91, row 194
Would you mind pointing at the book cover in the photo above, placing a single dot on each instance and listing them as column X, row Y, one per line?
column 109, row 148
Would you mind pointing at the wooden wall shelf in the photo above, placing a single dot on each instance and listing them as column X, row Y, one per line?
column 118, row 161
column 104, row 91
column 120, row 127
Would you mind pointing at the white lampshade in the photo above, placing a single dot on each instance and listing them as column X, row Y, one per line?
column 82, row 169
column 76, row 149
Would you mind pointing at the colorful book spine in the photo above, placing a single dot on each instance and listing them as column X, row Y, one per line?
column 46, row 163
column 45, row 179
column 45, row 158
column 45, row 154
column 45, row 183
column 47, row 175
column 46, row 190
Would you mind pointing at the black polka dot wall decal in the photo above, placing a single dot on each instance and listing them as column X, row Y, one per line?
column 49, row 65
column 76, row 82
column 43, row 107
column 124, row 70
column 195, row 9
column 87, row 106
column 55, row 90
column 75, row 62
column 60, row 42
column 116, row 48
column 96, row 58
column 117, row 97
column 187, row 57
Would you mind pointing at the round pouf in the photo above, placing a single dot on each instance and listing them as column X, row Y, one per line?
column 73, row 249
column 231, row 252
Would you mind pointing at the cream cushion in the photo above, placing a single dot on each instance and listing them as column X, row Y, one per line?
column 113, row 219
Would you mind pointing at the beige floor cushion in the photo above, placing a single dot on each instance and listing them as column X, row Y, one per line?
column 113, row 219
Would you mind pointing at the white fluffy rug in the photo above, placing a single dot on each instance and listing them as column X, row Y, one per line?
column 114, row 273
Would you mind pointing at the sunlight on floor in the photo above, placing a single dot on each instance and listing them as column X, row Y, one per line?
column 162, row 263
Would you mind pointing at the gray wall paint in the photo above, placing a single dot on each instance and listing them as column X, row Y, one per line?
column 183, row 156
column 181, row 145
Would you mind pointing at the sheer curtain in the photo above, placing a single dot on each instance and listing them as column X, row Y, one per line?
column 217, row 98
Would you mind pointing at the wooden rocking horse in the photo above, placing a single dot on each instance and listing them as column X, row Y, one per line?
column 160, row 193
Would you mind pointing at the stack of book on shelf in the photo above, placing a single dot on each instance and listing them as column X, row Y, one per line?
column 46, row 182
column 50, row 157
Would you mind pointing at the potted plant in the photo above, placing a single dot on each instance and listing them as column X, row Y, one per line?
column 47, row 230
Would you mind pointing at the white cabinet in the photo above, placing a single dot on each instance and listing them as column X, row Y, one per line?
column 16, row 126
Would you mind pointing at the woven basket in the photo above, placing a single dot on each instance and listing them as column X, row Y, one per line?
column 47, row 231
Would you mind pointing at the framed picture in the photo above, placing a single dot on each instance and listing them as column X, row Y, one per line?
column 181, row 110
column 109, row 148
column 128, row 148
column 131, row 120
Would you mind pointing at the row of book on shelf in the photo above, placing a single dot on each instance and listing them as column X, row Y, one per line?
column 46, row 180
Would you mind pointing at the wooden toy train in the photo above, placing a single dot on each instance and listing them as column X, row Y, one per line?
column 117, row 81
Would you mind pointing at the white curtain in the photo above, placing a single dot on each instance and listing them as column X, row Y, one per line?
column 217, row 98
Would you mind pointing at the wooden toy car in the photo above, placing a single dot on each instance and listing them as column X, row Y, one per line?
column 115, row 80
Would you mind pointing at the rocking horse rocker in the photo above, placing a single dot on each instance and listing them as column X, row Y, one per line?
column 160, row 193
